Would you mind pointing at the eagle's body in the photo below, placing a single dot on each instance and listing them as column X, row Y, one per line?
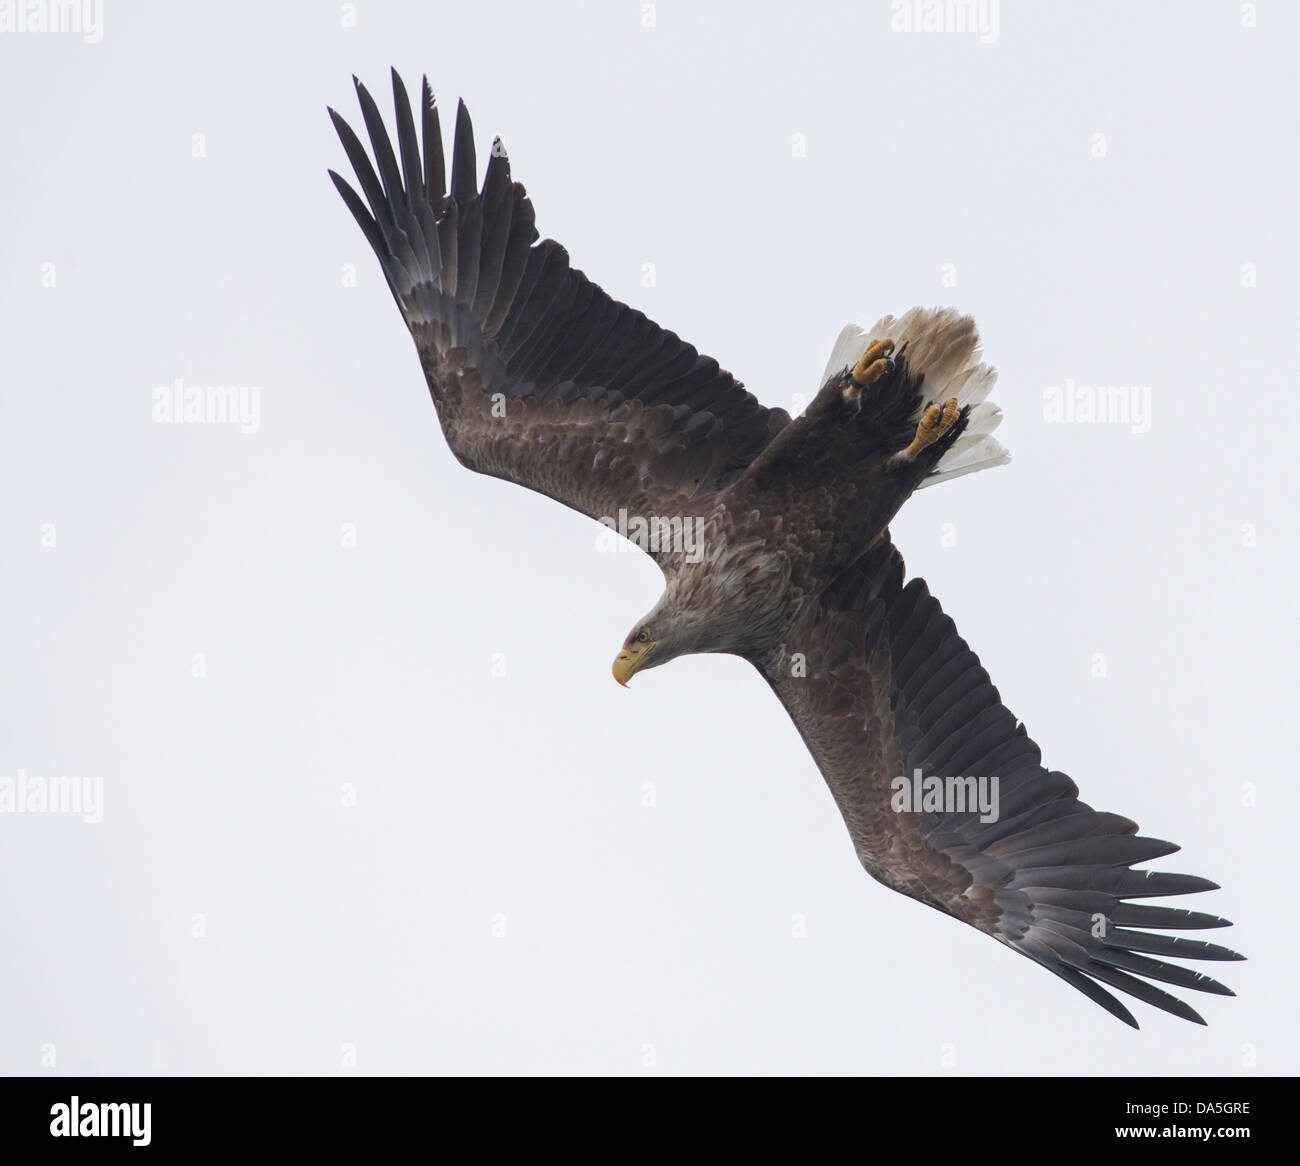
column 540, row 378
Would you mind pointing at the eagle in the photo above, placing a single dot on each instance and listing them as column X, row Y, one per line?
column 772, row 533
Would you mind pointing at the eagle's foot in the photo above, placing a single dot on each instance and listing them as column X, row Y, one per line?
column 872, row 365
column 934, row 423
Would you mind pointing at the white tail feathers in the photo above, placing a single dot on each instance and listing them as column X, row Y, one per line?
column 944, row 347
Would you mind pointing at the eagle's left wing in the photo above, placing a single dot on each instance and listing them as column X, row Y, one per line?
column 539, row 377
column 880, row 686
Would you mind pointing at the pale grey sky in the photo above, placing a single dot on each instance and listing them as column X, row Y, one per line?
column 333, row 839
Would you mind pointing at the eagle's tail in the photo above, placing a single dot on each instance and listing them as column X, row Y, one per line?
column 943, row 346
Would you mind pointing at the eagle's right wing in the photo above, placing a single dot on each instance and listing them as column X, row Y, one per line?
column 880, row 685
column 538, row 376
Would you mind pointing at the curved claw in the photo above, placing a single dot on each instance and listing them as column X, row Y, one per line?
column 934, row 423
column 874, row 363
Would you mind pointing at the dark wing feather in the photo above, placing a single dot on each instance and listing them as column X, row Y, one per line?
column 538, row 376
column 884, row 686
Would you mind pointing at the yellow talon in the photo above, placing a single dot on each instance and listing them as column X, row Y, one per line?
column 872, row 365
column 934, row 423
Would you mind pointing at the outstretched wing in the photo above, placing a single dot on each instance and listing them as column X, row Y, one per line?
column 886, row 687
column 538, row 376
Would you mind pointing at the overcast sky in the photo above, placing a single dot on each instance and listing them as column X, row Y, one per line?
column 365, row 796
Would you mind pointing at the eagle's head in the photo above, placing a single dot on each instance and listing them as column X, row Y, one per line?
column 673, row 628
column 637, row 652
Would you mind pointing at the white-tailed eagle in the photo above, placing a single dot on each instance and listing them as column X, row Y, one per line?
column 542, row 379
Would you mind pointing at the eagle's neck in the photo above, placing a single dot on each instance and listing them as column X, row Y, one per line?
column 734, row 598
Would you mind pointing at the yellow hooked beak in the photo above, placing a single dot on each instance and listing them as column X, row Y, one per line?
column 630, row 659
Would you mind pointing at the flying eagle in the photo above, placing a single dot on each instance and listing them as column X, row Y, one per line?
column 542, row 379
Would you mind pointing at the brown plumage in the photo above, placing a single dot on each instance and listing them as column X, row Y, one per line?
column 540, row 378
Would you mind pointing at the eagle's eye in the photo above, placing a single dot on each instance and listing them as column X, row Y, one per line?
column 642, row 636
